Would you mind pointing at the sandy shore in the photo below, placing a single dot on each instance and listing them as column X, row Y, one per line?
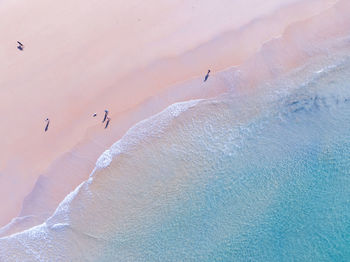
column 133, row 58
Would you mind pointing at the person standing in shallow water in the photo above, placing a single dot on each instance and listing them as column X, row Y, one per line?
column 105, row 117
column 47, row 124
column 107, row 123
column 207, row 76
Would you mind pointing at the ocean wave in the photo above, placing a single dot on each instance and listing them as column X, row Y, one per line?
column 152, row 126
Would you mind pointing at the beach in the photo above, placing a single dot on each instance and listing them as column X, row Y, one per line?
column 72, row 67
column 138, row 59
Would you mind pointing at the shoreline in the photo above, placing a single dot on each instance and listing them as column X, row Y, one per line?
column 94, row 141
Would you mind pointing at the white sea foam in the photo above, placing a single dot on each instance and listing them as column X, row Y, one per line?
column 62, row 211
column 105, row 159
column 59, row 226
column 151, row 126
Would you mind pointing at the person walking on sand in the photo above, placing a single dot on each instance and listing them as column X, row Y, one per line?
column 107, row 123
column 105, row 117
column 206, row 77
column 20, row 45
column 47, row 124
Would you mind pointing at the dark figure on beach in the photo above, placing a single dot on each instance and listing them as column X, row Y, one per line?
column 107, row 123
column 206, row 77
column 105, row 117
column 94, row 115
column 20, row 46
column 47, row 124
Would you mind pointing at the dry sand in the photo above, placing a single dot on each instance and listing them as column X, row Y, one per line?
column 132, row 57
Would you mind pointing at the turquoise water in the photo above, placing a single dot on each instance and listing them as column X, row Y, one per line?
column 274, row 189
column 263, row 176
